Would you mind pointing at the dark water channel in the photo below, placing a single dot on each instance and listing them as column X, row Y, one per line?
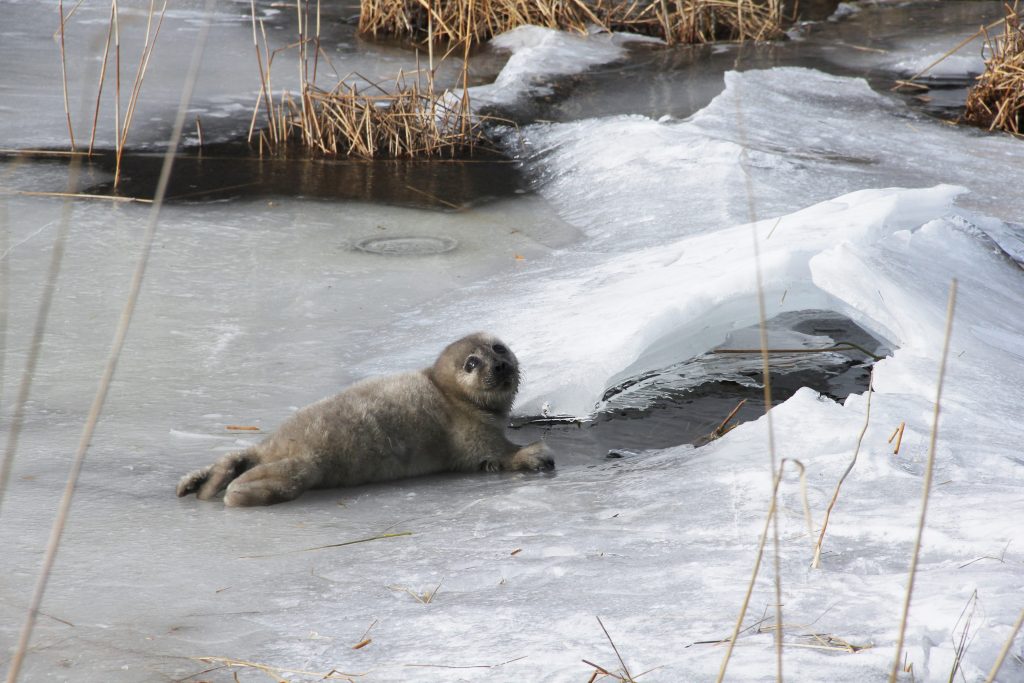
column 678, row 82
column 229, row 171
column 669, row 410
column 652, row 80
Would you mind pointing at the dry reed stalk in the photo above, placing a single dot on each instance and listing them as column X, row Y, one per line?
column 961, row 644
column 911, row 82
column 82, row 195
column 625, row 669
column 17, row 420
column 899, row 438
column 365, row 639
column 998, row 664
column 766, row 374
column 720, row 431
column 687, row 21
column 121, row 333
column 407, row 122
column 147, row 47
column 839, row 346
column 5, row 288
column 117, row 79
column 272, row 671
column 406, row 119
column 40, row 152
column 103, row 76
column 803, row 494
column 378, row 537
column 424, row 598
column 997, row 100
column 927, row 485
column 816, row 563
column 64, row 74
column 772, row 518
column 772, row 509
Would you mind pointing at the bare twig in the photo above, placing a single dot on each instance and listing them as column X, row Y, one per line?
column 331, row 545
column 839, row 346
column 720, row 430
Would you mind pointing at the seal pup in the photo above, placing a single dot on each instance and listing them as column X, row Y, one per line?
column 450, row 417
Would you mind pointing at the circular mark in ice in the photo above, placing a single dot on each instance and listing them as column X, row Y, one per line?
column 406, row 246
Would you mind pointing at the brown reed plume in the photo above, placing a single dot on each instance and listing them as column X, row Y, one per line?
column 675, row 21
column 996, row 102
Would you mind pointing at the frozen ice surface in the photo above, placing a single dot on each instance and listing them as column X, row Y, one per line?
column 936, row 65
column 253, row 308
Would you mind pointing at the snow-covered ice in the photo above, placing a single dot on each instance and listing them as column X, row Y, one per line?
column 636, row 252
column 537, row 54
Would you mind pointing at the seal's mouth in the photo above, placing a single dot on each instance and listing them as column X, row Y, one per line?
column 503, row 376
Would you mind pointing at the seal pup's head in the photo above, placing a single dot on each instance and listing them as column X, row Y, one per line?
column 478, row 369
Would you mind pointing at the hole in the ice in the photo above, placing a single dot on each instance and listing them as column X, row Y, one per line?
column 684, row 402
column 407, row 246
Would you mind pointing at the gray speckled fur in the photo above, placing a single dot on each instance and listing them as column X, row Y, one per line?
column 446, row 418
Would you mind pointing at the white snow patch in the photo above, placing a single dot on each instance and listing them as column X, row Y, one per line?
column 541, row 53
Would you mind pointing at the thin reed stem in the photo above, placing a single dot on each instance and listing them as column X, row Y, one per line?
column 998, row 664
column 816, row 563
column 927, row 485
column 5, row 288
column 103, row 77
column 766, row 372
column 133, row 98
column 39, row 329
column 64, row 75
column 723, row 667
column 120, row 335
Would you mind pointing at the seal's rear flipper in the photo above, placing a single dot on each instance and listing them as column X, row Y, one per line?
column 270, row 483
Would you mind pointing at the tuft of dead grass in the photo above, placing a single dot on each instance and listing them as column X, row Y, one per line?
column 675, row 21
column 401, row 119
column 996, row 102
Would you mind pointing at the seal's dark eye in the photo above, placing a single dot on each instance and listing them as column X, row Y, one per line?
column 471, row 363
column 500, row 348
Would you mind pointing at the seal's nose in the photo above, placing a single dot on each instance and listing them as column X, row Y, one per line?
column 501, row 367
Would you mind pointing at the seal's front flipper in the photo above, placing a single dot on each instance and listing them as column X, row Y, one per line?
column 536, row 456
